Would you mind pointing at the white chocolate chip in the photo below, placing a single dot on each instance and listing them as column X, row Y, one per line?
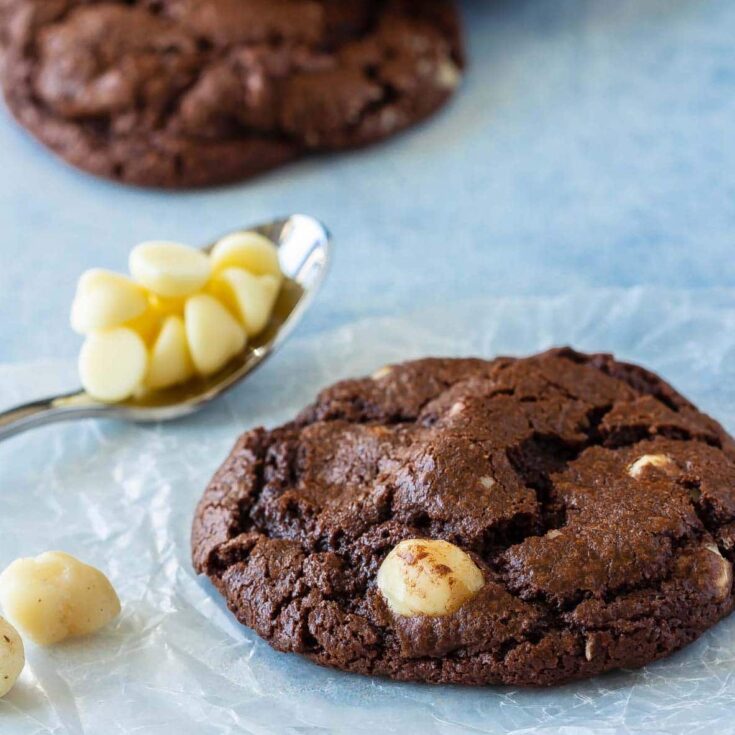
column 249, row 250
column 213, row 334
column 487, row 482
column 148, row 324
column 169, row 269
column 448, row 75
column 553, row 533
column 659, row 461
column 724, row 579
column 382, row 372
column 170, row 362
column 456, row 408
column 104, row 299
column 12, row 656
column 251, row 298
column 112, row 364
column 428, row 577
column 54, row 596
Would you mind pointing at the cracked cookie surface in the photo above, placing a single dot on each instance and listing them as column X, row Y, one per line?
column 598, row 503
column 195, row 92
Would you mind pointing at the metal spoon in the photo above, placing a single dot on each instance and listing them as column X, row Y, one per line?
column 304, row 247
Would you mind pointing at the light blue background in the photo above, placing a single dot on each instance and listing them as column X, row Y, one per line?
column 591, row 144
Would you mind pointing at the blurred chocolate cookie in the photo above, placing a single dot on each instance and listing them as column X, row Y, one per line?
column 195, row 92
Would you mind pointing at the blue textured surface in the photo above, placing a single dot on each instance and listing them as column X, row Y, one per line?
column 591, row 145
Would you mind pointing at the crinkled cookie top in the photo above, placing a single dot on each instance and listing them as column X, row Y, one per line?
column 598, row 503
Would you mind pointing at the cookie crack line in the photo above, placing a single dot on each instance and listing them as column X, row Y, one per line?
column 546, row 525
column 575, row 451
column 597, row 514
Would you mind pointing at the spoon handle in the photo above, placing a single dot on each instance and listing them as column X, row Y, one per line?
column 46, row 411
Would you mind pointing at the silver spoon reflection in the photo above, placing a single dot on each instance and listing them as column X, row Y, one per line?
column 304, row 246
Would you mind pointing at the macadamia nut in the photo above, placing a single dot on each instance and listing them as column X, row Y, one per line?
column 12, row 656
column 428, row 577
column 54, row 596
column 661, row 462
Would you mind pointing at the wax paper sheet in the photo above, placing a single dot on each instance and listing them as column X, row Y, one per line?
column 121, row 497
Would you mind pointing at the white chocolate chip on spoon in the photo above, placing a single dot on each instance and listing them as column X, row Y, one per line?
column 248, row 250
column 428, row 577
column 170, row 361
column 112, row 364
column 12, row 656
column 169, row 269
column 105, row 299
column 213, row 334
column 250, row 297
column 54, row 596
column 149, row 324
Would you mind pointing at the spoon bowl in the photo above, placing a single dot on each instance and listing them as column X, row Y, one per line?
column 304, row 250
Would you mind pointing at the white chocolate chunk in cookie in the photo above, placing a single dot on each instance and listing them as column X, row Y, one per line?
column 457, row 408
column 12, row 656
column 169, row 269
column 589, row 648
column 724, row 579
column 248, row 250
column 170, row 362
column 381, row 373
column 54, row 596
column 112, row 364
column 428, row 577
column 251, row 298
column 448, row 74
column 105, row 299
column 661, row 462
column 213, row 334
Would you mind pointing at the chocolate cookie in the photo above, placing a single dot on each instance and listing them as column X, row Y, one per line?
column 588, row 506
column 195, row 92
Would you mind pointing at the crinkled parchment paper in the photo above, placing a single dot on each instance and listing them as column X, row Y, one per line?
column 122, row 497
